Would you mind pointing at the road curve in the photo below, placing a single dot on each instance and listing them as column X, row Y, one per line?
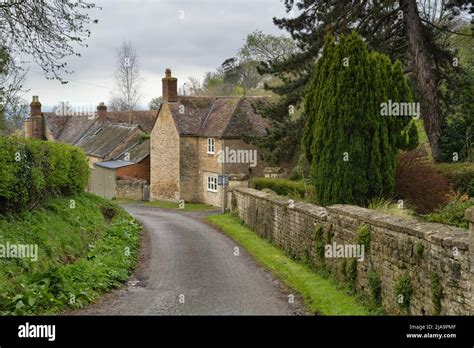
column 190, row 269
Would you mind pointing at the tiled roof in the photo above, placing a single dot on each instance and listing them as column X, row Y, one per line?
column 137, row 151
column 218, row 116
column 101, row 139
column 145, row 119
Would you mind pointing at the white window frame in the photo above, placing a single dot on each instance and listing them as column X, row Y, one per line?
column 211, row 146
column 212, row 183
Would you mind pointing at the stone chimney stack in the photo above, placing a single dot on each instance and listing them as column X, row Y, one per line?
column 101, row 112
column 34, row 126
column 35, row 107
column 170, row 87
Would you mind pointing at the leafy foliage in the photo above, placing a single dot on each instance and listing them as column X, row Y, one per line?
column 284, row 187
column 452, row 213
column 460, row 175
column 81, row 254
column 403, row 289
column 32, row 170
column 351, row 147
column 378, row 23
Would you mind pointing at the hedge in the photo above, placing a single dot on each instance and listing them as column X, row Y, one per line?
column 460, row 174
column 31, row 170
column 284, row 187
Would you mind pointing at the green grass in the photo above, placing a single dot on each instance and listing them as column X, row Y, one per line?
column 321, row 295
column 187, row 206
column 83, row 251
column 422, row 137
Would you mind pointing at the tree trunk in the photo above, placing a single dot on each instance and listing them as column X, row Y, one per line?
column 431, row 113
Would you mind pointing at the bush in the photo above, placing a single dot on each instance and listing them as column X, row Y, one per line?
column 460, row 175
column 349, row 141
column 32, row 170
column 457, row 139
column 284, row 187
column 419, row 184
column 453, row 213
column 302, row 169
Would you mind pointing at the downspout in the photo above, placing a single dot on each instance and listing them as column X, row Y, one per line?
column 224, row 196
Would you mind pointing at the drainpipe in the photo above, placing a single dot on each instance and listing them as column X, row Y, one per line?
column 223, row 202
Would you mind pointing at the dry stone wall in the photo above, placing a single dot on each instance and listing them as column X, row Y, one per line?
column 409, row 267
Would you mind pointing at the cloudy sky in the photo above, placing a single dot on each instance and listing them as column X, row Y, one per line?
column 189, row 36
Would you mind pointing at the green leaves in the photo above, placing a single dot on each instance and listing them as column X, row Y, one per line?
column 353, row 147
column 33, row 169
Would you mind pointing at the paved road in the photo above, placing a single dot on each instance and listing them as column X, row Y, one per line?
column 185, row 256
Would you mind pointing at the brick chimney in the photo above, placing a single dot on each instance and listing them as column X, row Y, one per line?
column 34, row 127
column 170, row 87
column 35, row 107
column 101, row 112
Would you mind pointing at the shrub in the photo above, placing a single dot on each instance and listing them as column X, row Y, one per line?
column 32, row 170
column 436, row 292
column 453, row 213
column 302, row 169
column 363, row 236
column 457, row 139
column 351, row 146
column 403, row 289
column 375, row 287
column 284, row 187
column 460, row 175
column 419, row 184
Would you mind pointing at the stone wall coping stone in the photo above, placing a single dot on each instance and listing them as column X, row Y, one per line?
column 303, row 207
column 443, row 235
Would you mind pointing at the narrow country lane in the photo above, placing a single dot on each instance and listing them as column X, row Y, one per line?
column 189, row 261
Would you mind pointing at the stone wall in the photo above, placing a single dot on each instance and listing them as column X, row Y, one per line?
column 410, row 267
column 164, row 156
column 130, row 189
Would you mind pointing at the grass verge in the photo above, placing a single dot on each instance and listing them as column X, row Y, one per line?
column 320, row 294
column 86, row 246
column 187, row 206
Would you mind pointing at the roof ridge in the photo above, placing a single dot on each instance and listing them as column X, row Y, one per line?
column 240, row 98
column 207, row 116
column 231, row 116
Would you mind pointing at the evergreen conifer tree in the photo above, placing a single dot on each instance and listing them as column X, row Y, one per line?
column 351, row 146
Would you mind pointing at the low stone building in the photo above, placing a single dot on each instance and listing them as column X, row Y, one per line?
column 104, row 136
column 196, row 139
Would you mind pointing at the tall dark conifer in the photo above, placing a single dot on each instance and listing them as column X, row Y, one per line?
column 351, row 146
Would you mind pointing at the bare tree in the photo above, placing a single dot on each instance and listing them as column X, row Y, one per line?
column 192, row 87
column 127, row 78
column 12, row 79
column 45, row 30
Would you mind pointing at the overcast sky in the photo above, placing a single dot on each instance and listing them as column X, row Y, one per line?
column 210, row 32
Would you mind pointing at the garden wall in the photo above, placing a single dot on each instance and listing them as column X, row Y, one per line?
column 410, row 267
column 130, row 189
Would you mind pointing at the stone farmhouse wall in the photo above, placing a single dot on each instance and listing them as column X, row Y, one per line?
column 165, row 152
column 130, row 189
column 434, row 258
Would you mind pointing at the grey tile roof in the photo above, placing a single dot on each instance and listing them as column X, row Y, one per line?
column 101, row 139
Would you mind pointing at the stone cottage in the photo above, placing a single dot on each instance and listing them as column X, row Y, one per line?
column 117, row 140
column 196, row 139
